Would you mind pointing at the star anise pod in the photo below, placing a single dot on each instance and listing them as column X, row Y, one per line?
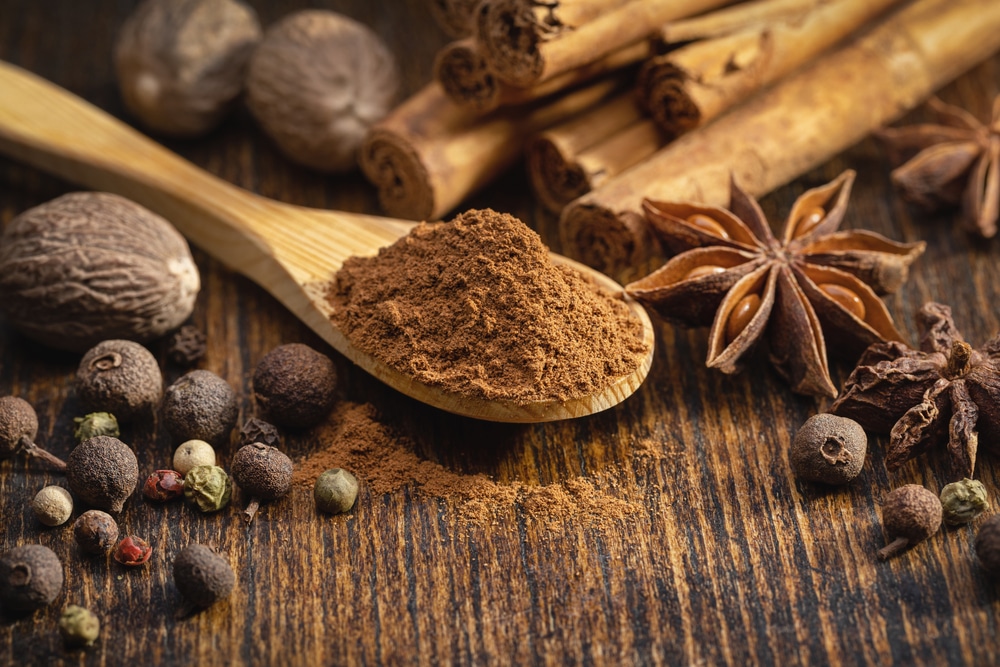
column 814, row 286
column 941, row 393
column 187, row 345
column 954, row 160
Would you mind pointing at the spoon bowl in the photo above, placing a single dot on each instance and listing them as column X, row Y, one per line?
column 290, row 251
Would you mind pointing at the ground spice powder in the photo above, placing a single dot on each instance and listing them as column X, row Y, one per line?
column 355, row 439
column 476, row 306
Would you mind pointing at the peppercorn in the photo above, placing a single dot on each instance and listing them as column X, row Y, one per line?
column 208, row 488
column 120, row 377
column 31, row 577
column 295, row 386
column 262, row 472
column 102, row 472
column 18, row 429
column 963, row 501
column 258, row 430
column 79, row 626
column 53, row 505
column 163, row 486
column 202, row 577
column 910, row 514
column 133, row 551
column 200, row 406
column 95, row 424
column 335, row 491
column 95, row 532
column 191, row 454
column 829, row 449
column 988, row 545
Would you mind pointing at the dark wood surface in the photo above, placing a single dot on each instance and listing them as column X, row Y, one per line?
column 726, row 558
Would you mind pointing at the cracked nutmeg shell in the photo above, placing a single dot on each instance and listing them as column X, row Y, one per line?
column 31, row 576
column 130, row 274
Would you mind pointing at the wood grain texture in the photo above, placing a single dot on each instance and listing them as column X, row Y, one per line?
column 727, row 559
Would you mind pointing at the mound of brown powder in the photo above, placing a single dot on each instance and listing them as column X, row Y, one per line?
column 476, row 306
column 355, row 439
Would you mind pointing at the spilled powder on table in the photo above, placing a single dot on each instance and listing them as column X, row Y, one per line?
column 356, row 440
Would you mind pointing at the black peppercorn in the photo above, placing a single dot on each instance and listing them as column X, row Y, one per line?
column 202, row 577
column 262, row 472
column 120, row 377
column 30, row 578
column 102, row 472
column 258, row 430
column 200, row 406
column 18, row 429
column 910, row 514
column 295, row 386
column 95, row 532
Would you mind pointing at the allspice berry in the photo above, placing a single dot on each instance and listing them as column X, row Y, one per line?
column 263, row 473
column 52, row 505
column 295, row 386
column 95, row 532
column 988, row 545
column 181, row 63
column 202, row 577
column 335, row 491
column 18, row 430
column 120, row 377
column 192, row 454
column 200, row 405
column 208, row 488
column 829, row 449
column 910, row 514
column 317, row 81
column 30, row 578
column 79, row 626
column 963, row 501
column 102, row 472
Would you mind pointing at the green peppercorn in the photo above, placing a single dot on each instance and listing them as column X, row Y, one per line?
column 95, row 424
column 79, row 626
column 208, row 488
column 963, row 501
column 335, row 491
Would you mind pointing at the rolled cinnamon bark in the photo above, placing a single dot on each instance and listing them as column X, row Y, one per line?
column 736, row 18
column 574, row 157
column 796, row 125
column 526, row 42
column 429, row 154
column 454, row 16
column 465, row 77
column 694, row 84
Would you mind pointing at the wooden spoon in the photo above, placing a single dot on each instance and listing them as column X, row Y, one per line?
column 288, row 250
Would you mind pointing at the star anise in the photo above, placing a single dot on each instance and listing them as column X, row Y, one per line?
column 187, row 345
column 955, row 160
column 734, row 274
column 939, row 394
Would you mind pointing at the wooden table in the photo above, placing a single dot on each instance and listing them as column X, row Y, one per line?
column 725, row 558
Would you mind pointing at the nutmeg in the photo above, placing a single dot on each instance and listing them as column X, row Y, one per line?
column 129, row 275
column 316, row 83
column 181, row 63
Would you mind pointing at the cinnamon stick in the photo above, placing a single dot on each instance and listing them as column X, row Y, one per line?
column 694, row 84
column 796, row 125
column 526, row 42
column 736, row 18
column 454, row 16
column 429, row 154
column 574, row 157
column 465, row 77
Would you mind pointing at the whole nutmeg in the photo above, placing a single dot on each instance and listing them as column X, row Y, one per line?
column 52, row 505
column 79, row 626
column 988, row 545
column 130, row 274
column 18, row 429
column 335, row 491
column 95, row 532
column 910, row 514
column 202, row 577
column 102, row 472
column 121, row 377
column 963, row 501
column 829, row 449
column 181, row 63
column 295, row 386
column 208, row 488
column 30, row 578
column 200, row 405
column 263, row 473
column 191, row 454
column 316, row 82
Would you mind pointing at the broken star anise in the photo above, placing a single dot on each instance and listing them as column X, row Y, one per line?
column 946, row 392
column 955, row 160
column 733, row 273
